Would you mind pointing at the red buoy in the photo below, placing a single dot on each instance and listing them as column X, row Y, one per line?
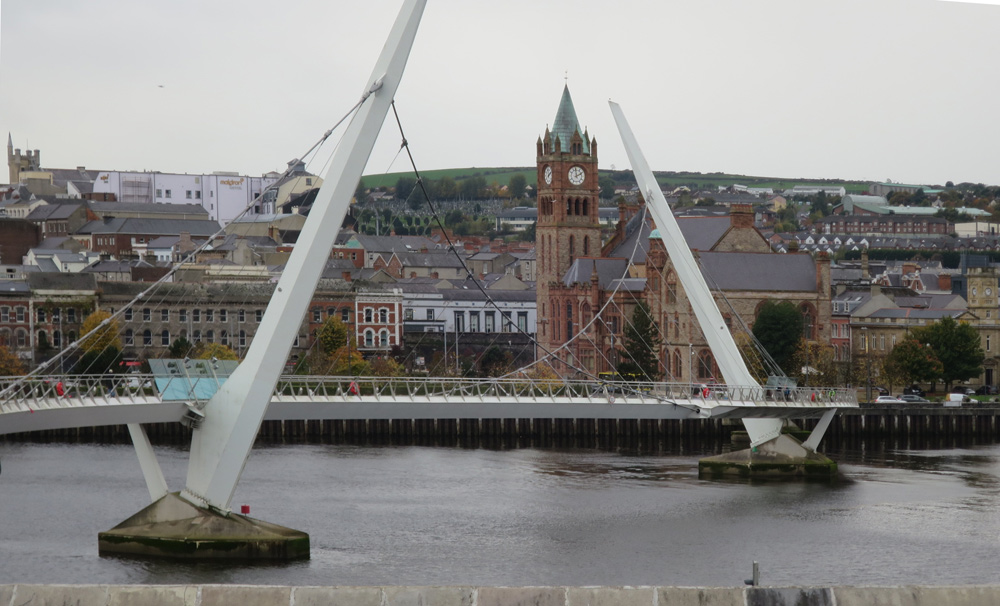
column 245, row 509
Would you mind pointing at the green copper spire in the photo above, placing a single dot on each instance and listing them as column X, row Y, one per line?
column 566, row 124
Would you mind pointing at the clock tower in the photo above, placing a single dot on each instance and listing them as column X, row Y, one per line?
column 568, row 224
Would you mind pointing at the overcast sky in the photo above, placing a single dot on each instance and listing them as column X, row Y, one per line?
column 856, row 89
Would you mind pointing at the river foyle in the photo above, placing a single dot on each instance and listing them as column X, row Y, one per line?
column 448, row 516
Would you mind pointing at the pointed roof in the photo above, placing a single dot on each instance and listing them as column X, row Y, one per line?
column 566, row 124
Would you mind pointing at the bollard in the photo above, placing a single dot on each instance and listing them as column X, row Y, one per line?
column 755, row 581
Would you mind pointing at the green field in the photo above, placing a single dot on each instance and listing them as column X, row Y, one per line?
column 666, row 179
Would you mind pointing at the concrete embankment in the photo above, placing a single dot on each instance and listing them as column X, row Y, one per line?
column 254, row 595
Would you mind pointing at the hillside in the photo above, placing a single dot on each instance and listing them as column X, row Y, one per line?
column 667, row 179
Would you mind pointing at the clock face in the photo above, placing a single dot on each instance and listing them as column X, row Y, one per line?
column 988, row 292
column 973, row 290
column 576, row 175
column 548, row 175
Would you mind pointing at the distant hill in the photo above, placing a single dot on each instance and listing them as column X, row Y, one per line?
column 667, row 179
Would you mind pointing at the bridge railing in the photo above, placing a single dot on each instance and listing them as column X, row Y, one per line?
column 19, row 393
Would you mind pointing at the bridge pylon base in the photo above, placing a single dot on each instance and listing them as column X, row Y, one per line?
column 174, row 528
column 782, row 457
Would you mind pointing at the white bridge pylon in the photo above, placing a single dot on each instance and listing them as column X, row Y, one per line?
column 713, row 325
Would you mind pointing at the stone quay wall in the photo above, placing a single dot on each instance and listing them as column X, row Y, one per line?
column 265, row 595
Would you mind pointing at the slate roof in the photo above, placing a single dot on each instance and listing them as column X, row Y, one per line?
column 61, row 281
column 394, row 243
column 916, row 313
column 759, row 271
column 163, row 227
column 109, row 208
column 53, row 212
column 608, row 270
column 14, row 286
column 438, row 259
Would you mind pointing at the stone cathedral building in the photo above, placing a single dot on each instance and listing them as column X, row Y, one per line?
column 579, row 275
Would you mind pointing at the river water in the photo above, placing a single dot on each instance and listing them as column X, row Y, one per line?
column 449, row 516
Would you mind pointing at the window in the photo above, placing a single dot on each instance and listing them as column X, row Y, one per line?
column 41, row 316
column 195, row 315
column 223, row 315
column 147, row 337
column 71, row 315
column 243, row 338
column 383, row 338
column 369, row 338
column 407, row 314
column 345, row 315
column 242, row 315
column 317, row 315
column 430, row 314
column 705, row 365
column 159, row 193
column 383, row 316
column 164, row 315
column 129, row 337
column 671, row 288
column 5, row 314
column 209, row 315
column 22, row 337
column 168, row 193
column 258, row 315
column 369, row 314
column 224, row 337
column 507, row 324
column 197, row 195
column 474, row 321
column 128, row 314
column 196, row 337
column 183, row 313
column 56, row 338
column 459, row 321
column 210, row 336
column 165, row 338
column 20, row 314
column 489, row 318
column 187, row 194
column 522, row 321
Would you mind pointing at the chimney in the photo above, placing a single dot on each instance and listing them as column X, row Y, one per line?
column 793, row 246
column 944, row 282
column 741, row 216
column 823, row 273
column 864, row 264
column 434, row 275
column 876, row 290
column 346, row 275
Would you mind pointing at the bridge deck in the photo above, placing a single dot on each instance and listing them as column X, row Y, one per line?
column 95, row 401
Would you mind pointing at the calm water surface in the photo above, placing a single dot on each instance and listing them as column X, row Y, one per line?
column 446, row 516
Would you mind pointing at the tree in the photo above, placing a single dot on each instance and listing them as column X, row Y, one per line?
column 10, row 365
column 640, row 355
column 913, row 362
column 207, row 351
column 386, row 367
column 494, row 362
column 814, row 364
column 778, row 327
column 105, row 336
column 607, row 185
column 181, row 348
column 516, row 186
column 404, row 187
column 101, row 351
column 347, row 362
column 956, row 345
column 332, row 335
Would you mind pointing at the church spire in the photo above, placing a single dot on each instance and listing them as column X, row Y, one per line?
column 566, row 124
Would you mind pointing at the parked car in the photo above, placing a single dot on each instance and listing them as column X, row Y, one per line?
column 882, row 391
column 888, row 400
column 962, row 389
column 913, row 398
column 986, row 390
column 914, row 390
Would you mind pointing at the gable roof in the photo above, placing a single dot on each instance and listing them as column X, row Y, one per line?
column 759, row 271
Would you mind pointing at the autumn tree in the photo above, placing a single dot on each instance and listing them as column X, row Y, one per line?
column 206, row 351
column 10, row 365
column 333, row 334
column 814, row 364
column 101, row 347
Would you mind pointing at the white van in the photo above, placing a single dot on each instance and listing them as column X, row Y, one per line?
column 957, row 399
